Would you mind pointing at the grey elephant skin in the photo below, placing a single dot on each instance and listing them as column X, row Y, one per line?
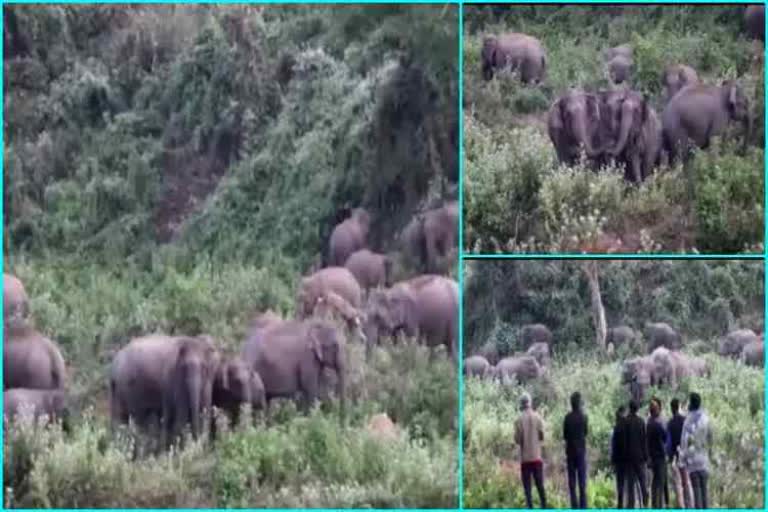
column 370, row 269
column 477, row 366
column 425, row 307
column 698, row 112
column 619, row 63
column 292, row 356
column 163, row 380
column 53, row 403
column 732, row 344
column 621, row 335
column 629, row 115
column 15, row 299
column 540, row 351
column 518, row 52
column 753, row 354
column 671, row 366
column 338, row 280
column 677, row 76
column 532, row 334
column 573, row 125
column 431, row 236
column 348, row 236
column 754, row 21
column 237, row 384
column 30, row 360
column 660, row 334
column 517, row 370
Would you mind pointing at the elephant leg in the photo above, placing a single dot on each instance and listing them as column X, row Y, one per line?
column 309, row 382
column 634, row 164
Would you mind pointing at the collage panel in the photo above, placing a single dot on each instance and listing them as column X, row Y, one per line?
column 613, row 383
column 230, row 247
column 613, row 128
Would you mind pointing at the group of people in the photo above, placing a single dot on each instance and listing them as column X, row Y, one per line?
column 681, row 444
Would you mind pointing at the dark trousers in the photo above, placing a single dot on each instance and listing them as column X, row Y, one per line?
column 535, row 470
column 635, row 477
column 699, row 486
column 621, row 479
column 659, row 489
column 577, row 469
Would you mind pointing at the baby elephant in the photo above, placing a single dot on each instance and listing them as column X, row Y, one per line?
column 237, row 384
column 53, row 403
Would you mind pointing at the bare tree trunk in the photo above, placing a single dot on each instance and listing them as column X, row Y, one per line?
column 598, row 311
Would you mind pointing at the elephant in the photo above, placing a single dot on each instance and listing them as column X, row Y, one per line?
column 15, row 300
column 675, row 77
column 490, row 352
column 518, row 52
column 573, row 123
column 517, row 369
column 732, row 345
column 53, row 403
column 699, row 112
column 333, row 307
column 30, row 360
column 754, row 20
column 638, row 374
column 623, row 50
column 535, row 333
column 349, row 236
column 293, row 355
column 753, row 354
column 477, row 366
column 163, row 380
column 620, row 336
column 671, row 366
column 425, row 307
column 620, row 69
column 540, row 351
column 370, row 269
column 413, row 242
column 441, row 231
column 237, row 384
column 660, row 334
column 629, row 116
column 338, row 280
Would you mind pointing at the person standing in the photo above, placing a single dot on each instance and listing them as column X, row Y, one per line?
column 679, row 474
column 575, row 430
column 529, row 435
column 636, row 455
column 657, row 441
column 619, row 455
column 695, row 447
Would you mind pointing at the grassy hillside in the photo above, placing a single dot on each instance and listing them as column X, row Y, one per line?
column 702, row 299
column 178, row 168
column 517, row 197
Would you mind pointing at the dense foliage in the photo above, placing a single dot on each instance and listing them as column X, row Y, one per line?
column 177, row 168
column 517, row 197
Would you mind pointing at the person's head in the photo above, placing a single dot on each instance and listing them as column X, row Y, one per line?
column 654, row 407
column 576, row 401
column 525, row 401
column 694, row 402
column 674, row 405
column 620, row 413
column 633, row 407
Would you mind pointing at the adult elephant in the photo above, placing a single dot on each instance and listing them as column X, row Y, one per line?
column 675, row 77
column 370, row 269
column 540, row 351
column 621, row 335
column 533, row 334
column 349, row 236
column 753, row 354
column 413, row 242
column 671, row 366
column 660, row 334
column 619, row 63
column 237, row 384
column 424, row 307
column 292, row 357
column 30, row 360
column 518, row 52
column 630, row 116
column 699, row 112
column 441, row 230
column 338, row 280
column 517, row 370
column 754, row 21
column 53, row 403
column 573, row 124
column 15, row 300
column 734, row 342
column 168, row 380
column 638, row 374
column 477, row 366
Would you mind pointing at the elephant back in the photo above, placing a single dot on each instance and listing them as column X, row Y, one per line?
column 30, row 360
column 734, row 342
column 15, row 299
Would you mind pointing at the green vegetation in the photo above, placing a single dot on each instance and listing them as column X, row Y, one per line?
column 176, row 169
column 517, row 197
column 702, row 299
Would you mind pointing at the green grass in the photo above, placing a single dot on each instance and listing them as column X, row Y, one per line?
column 733, row 397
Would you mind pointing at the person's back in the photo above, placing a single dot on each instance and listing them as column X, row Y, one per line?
column 695, row 443
column 656, row 437
column 575, row 429
column 675, row 429
column 618, row 454
column 575, row 433
column 679, row 474
column 529, row 430
column 635, row 443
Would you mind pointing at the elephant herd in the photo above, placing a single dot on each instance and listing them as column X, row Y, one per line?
column 620, row 125
column 165, row 384
column 665, row 365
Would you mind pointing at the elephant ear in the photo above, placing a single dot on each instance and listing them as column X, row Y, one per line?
column 593, row 107
column 557, row 120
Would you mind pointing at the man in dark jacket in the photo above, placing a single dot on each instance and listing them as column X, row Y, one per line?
column 657, row 453
column 618, row 453
column 575, row 430
column 679, row 475
column 636, row 455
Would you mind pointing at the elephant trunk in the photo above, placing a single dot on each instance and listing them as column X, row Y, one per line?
column 583, row 135
column 627, row 115
column 341, row 385
column 195, row 395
